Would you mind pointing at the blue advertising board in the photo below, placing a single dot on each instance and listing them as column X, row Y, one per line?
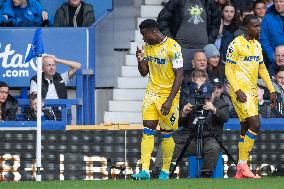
column 65, row 43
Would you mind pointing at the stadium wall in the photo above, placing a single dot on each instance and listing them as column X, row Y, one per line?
column 101, row 154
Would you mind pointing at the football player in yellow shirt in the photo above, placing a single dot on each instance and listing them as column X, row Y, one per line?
column 161, row 58
column 244, row 63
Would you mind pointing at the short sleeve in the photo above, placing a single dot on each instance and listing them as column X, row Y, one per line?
column 176, row 56
column 258, row 46
column 232, row 53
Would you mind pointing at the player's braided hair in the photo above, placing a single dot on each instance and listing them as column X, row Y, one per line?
column 248, row 18
column 149, row 24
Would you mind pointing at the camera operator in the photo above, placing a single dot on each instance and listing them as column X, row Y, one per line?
column 216, row 113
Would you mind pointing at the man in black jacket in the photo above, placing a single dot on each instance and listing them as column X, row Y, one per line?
column 193, row 24
column 216, row 114
column 53, row 83
column 74, row 13
column 8, row 104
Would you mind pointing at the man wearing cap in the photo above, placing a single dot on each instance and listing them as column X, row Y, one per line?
column 216, row 114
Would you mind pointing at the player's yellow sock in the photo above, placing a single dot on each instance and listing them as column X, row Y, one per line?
column 147, row 146
column 242, row 151
column 246, row 147
column 168, row 146
column 249, row 140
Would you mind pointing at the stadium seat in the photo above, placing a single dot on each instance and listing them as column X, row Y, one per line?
column 218, row 172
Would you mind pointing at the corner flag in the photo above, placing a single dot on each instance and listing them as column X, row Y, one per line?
column 36, row 50
column 37, row 46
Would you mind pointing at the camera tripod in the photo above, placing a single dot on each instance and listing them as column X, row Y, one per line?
column 198, row 129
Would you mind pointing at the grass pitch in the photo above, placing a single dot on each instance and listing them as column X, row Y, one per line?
column 264, row 183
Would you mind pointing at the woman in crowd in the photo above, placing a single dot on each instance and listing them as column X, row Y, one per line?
column 230, row 23
column 8, row 104
column 216, row 67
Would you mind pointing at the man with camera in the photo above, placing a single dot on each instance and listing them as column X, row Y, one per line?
column 215, row 111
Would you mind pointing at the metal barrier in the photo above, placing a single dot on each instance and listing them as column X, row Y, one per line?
column 65, row 105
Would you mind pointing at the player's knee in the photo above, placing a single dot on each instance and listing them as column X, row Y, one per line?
column 148, row 131
column 166, row 135
column 255, row 129
column 165, row 131
column 254, row 124
column 150, row 124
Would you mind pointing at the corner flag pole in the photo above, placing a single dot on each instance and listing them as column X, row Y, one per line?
column 37, row 50
column 38, row 116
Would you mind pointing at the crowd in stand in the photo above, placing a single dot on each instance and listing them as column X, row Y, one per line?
column 53, row 87
column 204, row 29
column 31, row 13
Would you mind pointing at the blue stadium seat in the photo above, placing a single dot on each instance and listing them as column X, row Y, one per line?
column 218, row 172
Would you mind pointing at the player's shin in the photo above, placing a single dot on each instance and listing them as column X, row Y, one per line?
column 243, row 152
column 249, row 140
column 168, row 146
column 147, row 146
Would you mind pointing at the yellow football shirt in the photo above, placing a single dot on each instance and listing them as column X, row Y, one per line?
column 244, row 62
column 246, row 55
column 162, row 59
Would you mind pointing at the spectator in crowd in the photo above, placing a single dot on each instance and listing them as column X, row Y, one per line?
column 272, row 33
column 74, row 13
column 8, row 104
column 30, row 114
column 279, row 61
column 216, row 67
column 243, row 66
column 259, row 8
column 199, row 62
column 24, row 13
column 53, row 83
column 200, row 19
column 245, row 12
column 230, row 23
column 161, row 101
column 217, row 114
column 279, row 55
column 278, row 83
column 279, row 76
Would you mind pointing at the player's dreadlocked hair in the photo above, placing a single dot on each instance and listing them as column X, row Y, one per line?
column 149, row 24
column 248, row 18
